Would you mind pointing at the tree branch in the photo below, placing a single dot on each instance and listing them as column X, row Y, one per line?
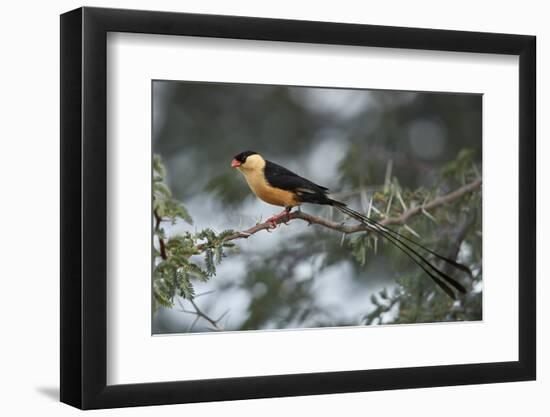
column 162, row 247
column 348, row 229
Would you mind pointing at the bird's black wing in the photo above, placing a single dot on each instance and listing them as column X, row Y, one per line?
column 306, row 191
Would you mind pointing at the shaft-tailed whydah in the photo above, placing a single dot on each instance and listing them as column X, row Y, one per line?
column 279, row 186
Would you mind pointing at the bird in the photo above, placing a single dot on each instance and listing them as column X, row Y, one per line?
column 277, row 185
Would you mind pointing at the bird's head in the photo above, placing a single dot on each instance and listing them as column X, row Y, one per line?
column 248, row 160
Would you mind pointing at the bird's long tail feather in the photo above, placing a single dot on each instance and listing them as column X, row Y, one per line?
column 443, row 280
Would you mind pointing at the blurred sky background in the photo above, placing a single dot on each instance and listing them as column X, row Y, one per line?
column 297, row 276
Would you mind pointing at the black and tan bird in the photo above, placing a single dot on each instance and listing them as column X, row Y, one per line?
column 279, row 186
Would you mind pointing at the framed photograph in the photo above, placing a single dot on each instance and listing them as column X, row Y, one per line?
column 259, row 208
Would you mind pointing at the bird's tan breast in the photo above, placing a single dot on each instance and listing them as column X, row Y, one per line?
column 276, row 196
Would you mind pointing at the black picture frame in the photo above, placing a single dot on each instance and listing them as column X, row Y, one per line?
column 84, row 207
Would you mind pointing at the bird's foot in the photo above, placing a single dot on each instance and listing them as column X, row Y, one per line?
column 274, row 220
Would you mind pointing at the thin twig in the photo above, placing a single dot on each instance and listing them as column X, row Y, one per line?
column 201, row 314
column 210, row 320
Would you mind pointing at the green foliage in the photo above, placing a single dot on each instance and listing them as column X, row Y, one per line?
column 164, row 206
column 415, row 298
column 277, row 298
column 461, row 166
column 417, row 302
column 361, row 244
column 213, row 246
column 177, row 258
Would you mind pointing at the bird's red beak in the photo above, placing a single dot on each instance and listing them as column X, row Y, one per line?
column 235, row 163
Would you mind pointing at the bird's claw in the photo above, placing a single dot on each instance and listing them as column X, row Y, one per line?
column 272, row 222
column 278, row 218
column 271, row 225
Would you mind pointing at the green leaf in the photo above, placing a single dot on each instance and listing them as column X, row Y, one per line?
column 158, row 167
column 162, row 189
